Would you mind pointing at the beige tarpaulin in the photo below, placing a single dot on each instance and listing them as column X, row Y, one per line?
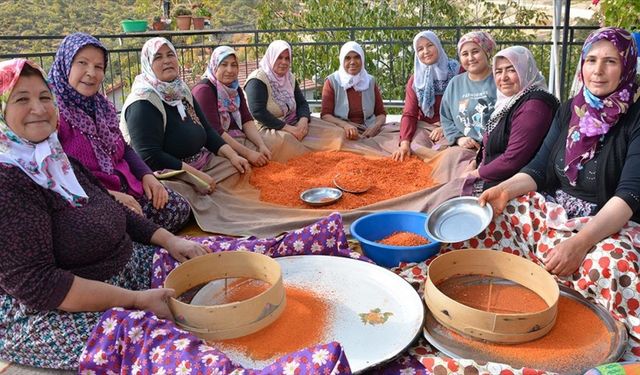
column 234, row 207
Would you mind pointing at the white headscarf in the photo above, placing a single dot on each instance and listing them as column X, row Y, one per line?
column 530, row 79
column 282, row 87
column 145, row 83
column 431, row 80
column 360, row 81
column 45, row 162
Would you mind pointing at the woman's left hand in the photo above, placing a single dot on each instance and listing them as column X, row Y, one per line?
column 436, row 134
column 240, row 163
column 155, row 191
column 264, row 150
column 303, row 125
column 372, row 131
column 566, row 257
column 182, row 249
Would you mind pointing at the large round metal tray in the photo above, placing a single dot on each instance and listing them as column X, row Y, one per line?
column 458, row 219
column 441, row 338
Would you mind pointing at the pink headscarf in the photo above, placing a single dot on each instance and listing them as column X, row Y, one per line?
column 282, row 87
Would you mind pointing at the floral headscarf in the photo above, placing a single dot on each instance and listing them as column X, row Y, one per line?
column 93, row 116
column 592, row 117
column 360, row 81
column 530, row 79
column 147, row 83
column 282, row 87
column 481, row 38
column 431, row 80
column 45, row 163
column 228, row 96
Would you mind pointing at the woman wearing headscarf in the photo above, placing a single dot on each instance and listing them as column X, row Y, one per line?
column 225, row 107
column 579, row 214
column 351, row 98
column 522, row 117
column 470, row 97
column 274, row 97
column 89, row 131
column 432, row 71
column 71, row 252
column 166, row 126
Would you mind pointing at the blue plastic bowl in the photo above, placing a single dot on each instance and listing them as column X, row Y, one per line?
column 374, row 227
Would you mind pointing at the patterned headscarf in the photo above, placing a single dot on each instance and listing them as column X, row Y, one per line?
column 45, row 163
column 282, row 87
column 530, row 79
column 228, row 96
column 146, row 83
column 431, row 80
column 93, row 116
column 481, row 38
column 360, row 81
column 592, row 117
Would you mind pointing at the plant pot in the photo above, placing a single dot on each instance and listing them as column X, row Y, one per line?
column 198, row 23
column 159, row 26
column 183, row 22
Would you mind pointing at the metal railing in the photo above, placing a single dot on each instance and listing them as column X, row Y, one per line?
column 315, row 52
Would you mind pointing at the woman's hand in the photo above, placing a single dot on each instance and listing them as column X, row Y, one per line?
column 467, row 142
column 257, row 158
column 372, row 131
column 264, row 150
column 303, row 125
column 155, row 191
column 350, row 131
column 404, row 151
column 127, row 200
column 182, row 249
column 240, row 164
column 156, row 301
column 436, row 134
column 497, row 197
column 295, row 131
column 567, row 256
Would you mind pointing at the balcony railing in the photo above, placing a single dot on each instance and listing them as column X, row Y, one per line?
column 388, row 52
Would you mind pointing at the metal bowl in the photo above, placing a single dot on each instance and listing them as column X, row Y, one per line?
column 458, row 219
column 321, row 196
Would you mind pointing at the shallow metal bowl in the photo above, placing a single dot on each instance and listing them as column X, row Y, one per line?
column 321, row 196
column 458, row 219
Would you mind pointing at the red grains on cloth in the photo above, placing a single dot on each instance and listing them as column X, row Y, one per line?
column 282, row 183
column 404, row 239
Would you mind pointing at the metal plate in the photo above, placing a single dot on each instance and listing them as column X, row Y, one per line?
column 320, row 196
column 458, row 219
column 356, row 289
column 337, row 178
column 441, row 338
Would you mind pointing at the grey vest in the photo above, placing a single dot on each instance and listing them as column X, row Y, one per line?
column 341, row 102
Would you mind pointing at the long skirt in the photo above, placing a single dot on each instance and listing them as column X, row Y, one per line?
column 173, row 216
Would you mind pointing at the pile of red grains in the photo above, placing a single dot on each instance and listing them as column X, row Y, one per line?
column 282, row 183
column 303, row 323
column 579, row 338
column 404, row 239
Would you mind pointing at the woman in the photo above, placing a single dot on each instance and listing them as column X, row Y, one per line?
column 68, row 246
column 88, row 131
column 522, row 117
column 579, row 215
column 70, row 252
column 166, row 126
column 274, row 97
column 225, row 108
column 351, row 98
column 470, row 97
column 432, row 71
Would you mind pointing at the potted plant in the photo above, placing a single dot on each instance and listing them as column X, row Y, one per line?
column 183, row 17
column 158, row 24
column 199, row 15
